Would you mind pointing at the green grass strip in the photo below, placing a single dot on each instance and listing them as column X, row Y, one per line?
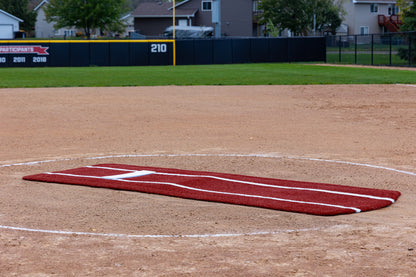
column 233, row 74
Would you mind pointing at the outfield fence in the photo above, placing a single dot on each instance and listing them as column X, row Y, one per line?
column 36, row 53
column 392, row 49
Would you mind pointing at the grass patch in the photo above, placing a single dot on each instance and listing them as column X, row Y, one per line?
column 234, row 74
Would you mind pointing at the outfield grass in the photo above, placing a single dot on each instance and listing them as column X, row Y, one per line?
column 234, row 74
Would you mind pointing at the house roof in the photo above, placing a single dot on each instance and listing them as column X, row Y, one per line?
column 162, row 9
column 12, row 16
column 40, row 4
column 374, row 2
column 180, row 3
column 33, row 3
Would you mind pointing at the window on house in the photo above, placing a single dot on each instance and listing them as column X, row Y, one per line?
column 255, row 6
column 374, row 8
column 393, row 9
column 182, row 22
column 206, row 5
column 364, row 30
column 69, row 33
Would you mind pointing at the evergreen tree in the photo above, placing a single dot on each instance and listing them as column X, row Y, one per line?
column 20, row 9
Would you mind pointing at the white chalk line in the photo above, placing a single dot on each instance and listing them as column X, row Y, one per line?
column 114, row 235
column 187, row 155
column 407, row 85
column 212, row 155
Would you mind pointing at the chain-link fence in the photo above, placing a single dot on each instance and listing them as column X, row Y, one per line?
column 393, row 49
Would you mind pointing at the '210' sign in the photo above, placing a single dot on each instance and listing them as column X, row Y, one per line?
column 158, row 48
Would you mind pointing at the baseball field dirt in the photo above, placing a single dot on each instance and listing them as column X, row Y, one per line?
column 356, row 135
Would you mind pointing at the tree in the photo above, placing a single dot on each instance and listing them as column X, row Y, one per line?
column 409, row 18
column 328, row 15
column 86, row 14
column 404, row 5
column 284, row 14
column 20, row 9
column 409, row 24
column 302, row 16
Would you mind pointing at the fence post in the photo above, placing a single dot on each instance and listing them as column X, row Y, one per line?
column 372, row 49
column 355, row 49
column 410, row 50
column 339, row 49
column 390, row 47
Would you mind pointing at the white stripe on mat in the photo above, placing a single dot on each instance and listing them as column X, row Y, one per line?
column 263, row 185
column 215, row 192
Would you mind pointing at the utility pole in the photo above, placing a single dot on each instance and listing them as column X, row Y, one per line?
column 173, row 19
column 216, row 17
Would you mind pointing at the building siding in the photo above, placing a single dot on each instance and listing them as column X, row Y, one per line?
column 236, row 18
column 43, row 29
column 359, row 14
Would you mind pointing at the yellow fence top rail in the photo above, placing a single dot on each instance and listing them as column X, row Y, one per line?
column 87, row 41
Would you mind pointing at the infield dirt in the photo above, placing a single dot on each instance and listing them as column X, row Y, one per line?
column 328, row 133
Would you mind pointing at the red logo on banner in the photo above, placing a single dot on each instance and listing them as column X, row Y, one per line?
column 24, row 49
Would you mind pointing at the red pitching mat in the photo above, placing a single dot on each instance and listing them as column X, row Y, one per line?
column 284, row 195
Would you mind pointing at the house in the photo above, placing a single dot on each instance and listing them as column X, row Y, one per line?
column 238, row 17
column 44, row 29
column 128, row 20
column 370, row 17
column 9, row 25
column 152, row 17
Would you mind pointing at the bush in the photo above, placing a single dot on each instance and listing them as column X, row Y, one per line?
column 409, row 53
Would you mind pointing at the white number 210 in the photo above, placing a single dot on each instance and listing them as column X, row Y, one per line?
column 158, row 48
